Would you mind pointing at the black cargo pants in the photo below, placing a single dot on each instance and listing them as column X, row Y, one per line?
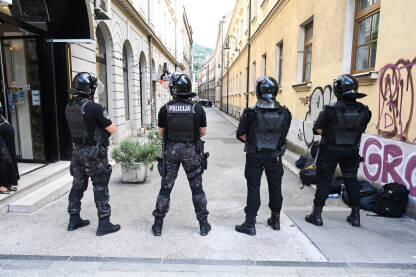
column 329, row 157
column 255, row 164
column 177, row 153
column 83, row 166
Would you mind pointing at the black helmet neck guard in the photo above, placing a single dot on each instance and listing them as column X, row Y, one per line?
column 84, row 84
column 180, row 85
column 266, row 87
column 346, row 87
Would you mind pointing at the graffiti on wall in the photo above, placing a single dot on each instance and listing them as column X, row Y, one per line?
column 387, row 160
column 396, row 100
column 317, row 100
column 304, row 100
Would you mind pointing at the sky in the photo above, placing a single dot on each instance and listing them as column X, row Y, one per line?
column 203, row 16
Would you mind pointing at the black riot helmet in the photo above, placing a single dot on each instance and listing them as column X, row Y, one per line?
column 180, row 85
column 84, row 84
column 346, row 87
column 266, row 87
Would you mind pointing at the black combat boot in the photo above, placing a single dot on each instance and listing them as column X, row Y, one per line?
column 274, row 221
column 75, row 222
column 354, row 217
column 106, row 227
column 315, row 217
column 248, row 227
column 157, row 226
column 204, row 227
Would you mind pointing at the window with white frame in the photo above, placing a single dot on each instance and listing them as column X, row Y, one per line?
column 241, row 81
column 279, row 62
column 366, row 21
column 263, row 65
column 254, row 8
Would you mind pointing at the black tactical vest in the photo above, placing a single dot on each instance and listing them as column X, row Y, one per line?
column 350, row 122
column 75, row 118
column 268, row 128
column 180, row 121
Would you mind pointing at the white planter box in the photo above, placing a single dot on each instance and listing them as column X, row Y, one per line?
column 137, row 175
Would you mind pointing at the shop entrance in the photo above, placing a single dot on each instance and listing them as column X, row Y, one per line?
column 21, row 94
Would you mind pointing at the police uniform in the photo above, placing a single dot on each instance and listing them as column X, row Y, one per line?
column 266, row 126
column 342, row 124
column 87, row 122
column 181, row 120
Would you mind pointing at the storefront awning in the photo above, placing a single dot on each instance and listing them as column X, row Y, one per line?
column 70, row 20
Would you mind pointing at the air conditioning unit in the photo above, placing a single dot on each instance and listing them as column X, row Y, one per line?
column 102, row 9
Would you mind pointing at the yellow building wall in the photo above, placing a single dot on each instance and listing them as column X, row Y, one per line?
column 397, row 24
column 389, row 145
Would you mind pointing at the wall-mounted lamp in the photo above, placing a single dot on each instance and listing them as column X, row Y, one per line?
column 227, row 46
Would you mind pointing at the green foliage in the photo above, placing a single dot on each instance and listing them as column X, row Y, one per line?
column 199, row 53
column 130, row 152
column 154, row 137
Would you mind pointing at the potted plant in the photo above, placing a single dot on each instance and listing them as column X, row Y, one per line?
column 135, row 158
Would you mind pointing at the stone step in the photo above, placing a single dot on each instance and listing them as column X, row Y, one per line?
column 42, row 196
column 33, row 181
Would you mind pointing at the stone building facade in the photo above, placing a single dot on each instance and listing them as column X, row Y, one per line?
column 305, row 45
column 131, row 48
column 206, row 79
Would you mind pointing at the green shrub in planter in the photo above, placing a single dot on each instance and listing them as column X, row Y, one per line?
column 130, row 152
column 154, row 137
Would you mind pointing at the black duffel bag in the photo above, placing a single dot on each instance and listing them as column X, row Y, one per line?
column 308, row 176
column 368, row 195
column 392, row 200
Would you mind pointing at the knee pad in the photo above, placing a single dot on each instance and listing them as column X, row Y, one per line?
column 196, row 190
column 101, row 194
column 75, row 194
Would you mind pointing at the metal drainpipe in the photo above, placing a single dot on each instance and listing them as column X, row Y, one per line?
column 151, row 80
column 228, row 71
column 222, row 62
column 248, row 53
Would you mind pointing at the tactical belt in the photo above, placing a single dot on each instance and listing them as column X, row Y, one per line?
column 252, row 149
column 84, row 142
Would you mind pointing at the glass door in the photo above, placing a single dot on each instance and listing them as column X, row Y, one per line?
column 22, row 95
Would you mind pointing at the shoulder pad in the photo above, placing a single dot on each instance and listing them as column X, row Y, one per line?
column 331, row 106
column 285, row 108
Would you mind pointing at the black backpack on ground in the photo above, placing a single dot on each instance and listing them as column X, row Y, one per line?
column 368, row 195
column 392, row 200
column 308, row 176
column 304, row 161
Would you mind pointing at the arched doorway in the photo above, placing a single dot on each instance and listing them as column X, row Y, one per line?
column 126, row 74
column 101, row 58
column 153, row 96
column 143, row 99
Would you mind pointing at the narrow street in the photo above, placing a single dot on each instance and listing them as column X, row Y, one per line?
column 181, row 250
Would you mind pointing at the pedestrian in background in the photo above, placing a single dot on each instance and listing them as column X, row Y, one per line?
column 182, row 124
column 9, row 172
column 263, row 128
column 341, row 125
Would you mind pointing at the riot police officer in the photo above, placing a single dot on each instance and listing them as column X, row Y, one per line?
column 263, row 128
column 90, row 127
column 341, row 125
column 182, row 123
